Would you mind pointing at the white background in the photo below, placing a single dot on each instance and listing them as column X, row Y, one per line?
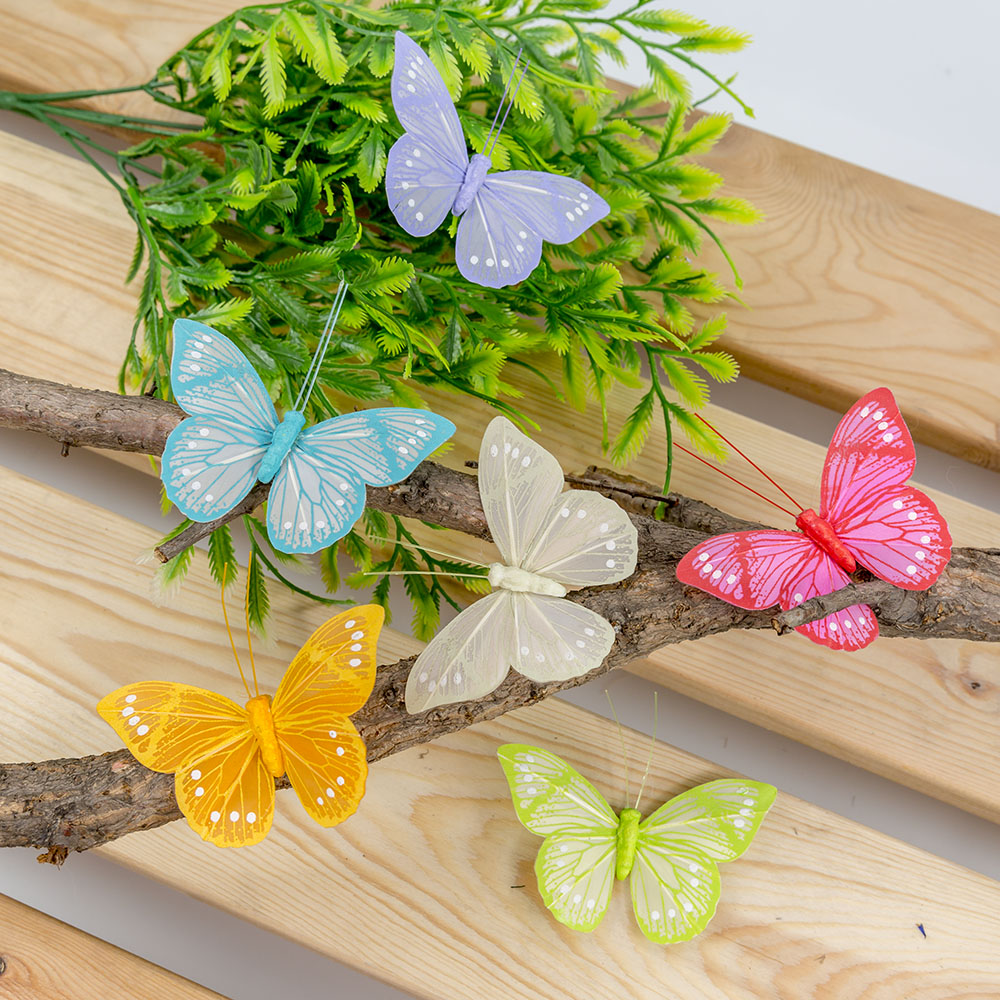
column 903, row 88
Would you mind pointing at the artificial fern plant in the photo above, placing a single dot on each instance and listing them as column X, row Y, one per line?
column 262, row 184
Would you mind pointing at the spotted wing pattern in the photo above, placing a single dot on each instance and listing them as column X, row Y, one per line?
column 319, row 491
column 205, row 741
column 576, row 863
column 211, row 460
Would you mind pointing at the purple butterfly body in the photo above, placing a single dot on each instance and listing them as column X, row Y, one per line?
column 505, row 216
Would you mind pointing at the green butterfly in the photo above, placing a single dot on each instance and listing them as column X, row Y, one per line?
column 671, row 855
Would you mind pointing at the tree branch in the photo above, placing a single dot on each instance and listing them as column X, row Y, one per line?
column 73, row 805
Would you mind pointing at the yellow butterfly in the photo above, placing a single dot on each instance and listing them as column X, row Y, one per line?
column 225, row 758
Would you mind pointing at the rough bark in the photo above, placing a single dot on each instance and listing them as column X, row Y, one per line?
column 75, row 804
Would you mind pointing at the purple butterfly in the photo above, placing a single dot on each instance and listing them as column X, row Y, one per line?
column 505, row 216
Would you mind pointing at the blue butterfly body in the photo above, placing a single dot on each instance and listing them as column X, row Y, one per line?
column 234, row 438
column 285, row 435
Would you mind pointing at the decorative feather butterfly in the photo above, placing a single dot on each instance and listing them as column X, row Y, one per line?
column 504, row 216
column 234, row 438
column 550, row 542
column 867, row 515
column 225, row 758
column 671, row 855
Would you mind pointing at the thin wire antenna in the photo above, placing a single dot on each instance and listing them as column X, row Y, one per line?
column 503, row 96
column 739, row 482
column 313, row 362
column 229, row 631
column 246, row 618
column 621, row 736
column 750, row 461
column 324, row 342
column 652, row 747
column 426, row 548
column 510, row 105
column 426, row 572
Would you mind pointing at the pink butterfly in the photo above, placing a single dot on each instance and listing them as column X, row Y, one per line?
column 867, row 515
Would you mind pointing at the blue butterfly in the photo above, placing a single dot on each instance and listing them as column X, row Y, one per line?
column 234, row 438
column 505, row 216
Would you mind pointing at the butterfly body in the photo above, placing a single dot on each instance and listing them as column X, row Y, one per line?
column 504, row 216
column 479, row 167
column 821, row 532
column 233, row 438
column 261, row 723
column 225, row 757
column 522, row 581
column 671, row 856
column 281, row 444
column 626, row 841
column 868, row 516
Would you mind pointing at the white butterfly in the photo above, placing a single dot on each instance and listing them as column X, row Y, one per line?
column 551, row 542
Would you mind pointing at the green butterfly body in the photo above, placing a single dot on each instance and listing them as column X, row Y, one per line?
column 672, row 855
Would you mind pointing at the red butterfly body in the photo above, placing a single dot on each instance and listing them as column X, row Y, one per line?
column 867, row 515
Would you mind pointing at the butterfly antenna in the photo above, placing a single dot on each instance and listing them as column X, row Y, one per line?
column 510, row 105
column 324, row 342
column 750, row 461
column 621, row 736
column 739, row 482
column 246, row 618
column 652, row 746
column 425, row 548
column 229, row 631
column 503, row 97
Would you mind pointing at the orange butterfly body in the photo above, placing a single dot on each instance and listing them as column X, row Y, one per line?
column 225, row 758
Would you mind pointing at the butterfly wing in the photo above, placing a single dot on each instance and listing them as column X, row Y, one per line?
column 330, row 677
column 519, row 482
column 871, row 450
column 492, row 248
column 421, row 184
column 749, row 569
column 422, row 102
column 675, row 878
column 319, row 491
column 584, row 540
column 336, row 664
column 555, row 639
column 427, row 163
column 204, row 739
column 559, row 208
column 576, row 863
column 211, row 377
column 211, row 460
column 894, row 530
column 758, row 569
column 468, row 658
column 499, row 239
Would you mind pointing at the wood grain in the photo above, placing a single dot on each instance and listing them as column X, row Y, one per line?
column 44, row 959
column 430, row 885
column 921, row 713
column 853, row 278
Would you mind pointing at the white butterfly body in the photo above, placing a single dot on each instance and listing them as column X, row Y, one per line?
column 521, row 581
column 551, row 542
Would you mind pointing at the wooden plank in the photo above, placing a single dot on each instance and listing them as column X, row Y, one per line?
column 430, row 885
column 852, row 273
column 906, row 709
column 855, row 277
column 42, row 958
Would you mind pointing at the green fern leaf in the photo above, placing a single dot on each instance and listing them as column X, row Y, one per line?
column 632, row 436
column 222, row 557
column 272, row 72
